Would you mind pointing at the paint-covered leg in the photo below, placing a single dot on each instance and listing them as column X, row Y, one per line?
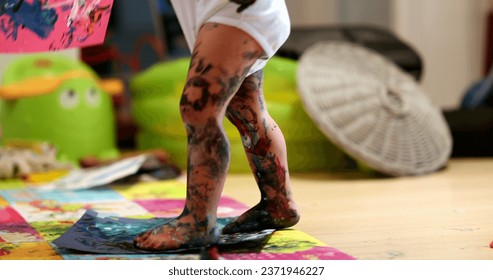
column 208, row 159
column 276, row 209
column 217, row 68
column 266, row 151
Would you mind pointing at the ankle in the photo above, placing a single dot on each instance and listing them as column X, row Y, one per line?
column 279, row 208
column 197, row 223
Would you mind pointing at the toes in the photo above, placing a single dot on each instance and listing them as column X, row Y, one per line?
column 145, row 235
column 139, row 239
column 145, row 240
column 149, row 243
column 156, row 239
column 170, row 238
column 152, row 244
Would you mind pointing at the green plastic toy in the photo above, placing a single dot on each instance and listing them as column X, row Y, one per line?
column 155, row 103
column 55, row 99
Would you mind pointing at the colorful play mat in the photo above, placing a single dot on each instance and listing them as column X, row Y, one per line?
column 31, row 219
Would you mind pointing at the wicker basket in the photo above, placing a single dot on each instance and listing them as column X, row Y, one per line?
column 373, row 110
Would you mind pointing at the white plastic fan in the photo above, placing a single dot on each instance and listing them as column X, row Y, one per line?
column 372, row 109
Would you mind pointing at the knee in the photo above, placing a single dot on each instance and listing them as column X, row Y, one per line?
column 209, row 135
column 192, row 113
column 198, row 105
column 190, row 116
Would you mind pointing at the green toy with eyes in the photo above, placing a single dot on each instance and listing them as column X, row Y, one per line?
column 58, row 100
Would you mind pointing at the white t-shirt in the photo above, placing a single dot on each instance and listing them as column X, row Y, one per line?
column 267, row 21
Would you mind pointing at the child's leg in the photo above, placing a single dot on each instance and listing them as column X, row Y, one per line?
column 222, row 57
column 266, row 151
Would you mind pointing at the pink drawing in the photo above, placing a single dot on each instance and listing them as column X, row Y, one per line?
column 50, row 25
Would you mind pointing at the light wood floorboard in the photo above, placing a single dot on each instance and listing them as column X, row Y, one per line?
column 445, row 215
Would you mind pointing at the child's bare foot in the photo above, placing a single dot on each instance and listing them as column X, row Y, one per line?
column 177, row 234
column 265, row 215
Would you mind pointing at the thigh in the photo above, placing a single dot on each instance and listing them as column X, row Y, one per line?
column 221, row 59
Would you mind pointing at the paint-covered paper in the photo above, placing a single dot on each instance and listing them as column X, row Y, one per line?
column 96, row 176
column 49, row 25
column 96, row 233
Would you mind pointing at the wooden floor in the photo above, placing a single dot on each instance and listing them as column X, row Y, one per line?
column 446, row 215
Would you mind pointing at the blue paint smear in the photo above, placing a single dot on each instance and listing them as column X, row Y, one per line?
column 35, row 17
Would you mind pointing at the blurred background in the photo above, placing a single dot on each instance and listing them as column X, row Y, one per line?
column 450, row 35
column 446, row 45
